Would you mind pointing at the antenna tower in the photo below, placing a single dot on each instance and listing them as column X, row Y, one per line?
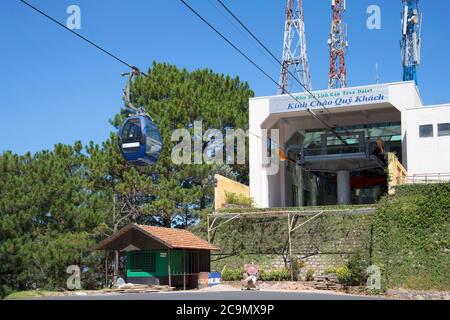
column 338, row 46
column 295, row 58
column 411, row 39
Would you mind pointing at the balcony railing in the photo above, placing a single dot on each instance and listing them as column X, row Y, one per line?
column 425, row 178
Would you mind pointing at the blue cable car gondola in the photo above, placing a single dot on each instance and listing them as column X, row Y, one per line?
column 140, row 141
column 139, row 138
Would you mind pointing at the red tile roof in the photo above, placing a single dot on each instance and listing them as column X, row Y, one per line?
column 178, row 238
column 171, row 238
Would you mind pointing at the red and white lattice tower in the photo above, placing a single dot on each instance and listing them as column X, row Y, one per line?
column 338, row 46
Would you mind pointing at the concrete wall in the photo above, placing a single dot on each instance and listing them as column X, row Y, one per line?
column 259, row 184
column 225, row 185
column 318, row 262
column 427, row 155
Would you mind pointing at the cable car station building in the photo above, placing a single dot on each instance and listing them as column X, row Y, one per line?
column 349, row 166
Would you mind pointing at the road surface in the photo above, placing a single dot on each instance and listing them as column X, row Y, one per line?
column 222, row 295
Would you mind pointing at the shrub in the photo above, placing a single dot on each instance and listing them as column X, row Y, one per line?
column 5, row 291
column 275, row 275
column 330, row 270
column 271, row 275
column 342, row 272
column 357, row 266
column 310, row 275
column 239, row 200
column 232, row 275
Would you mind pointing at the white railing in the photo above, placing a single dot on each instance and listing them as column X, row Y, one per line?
column 425, row 178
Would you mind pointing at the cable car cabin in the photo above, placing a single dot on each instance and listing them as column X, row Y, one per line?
column 140, row 141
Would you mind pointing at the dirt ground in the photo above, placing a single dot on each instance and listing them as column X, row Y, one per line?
column 264, row 287
column 274, row 285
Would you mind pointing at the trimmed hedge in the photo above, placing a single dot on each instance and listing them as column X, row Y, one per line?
column 412, row 238
column 299, row 209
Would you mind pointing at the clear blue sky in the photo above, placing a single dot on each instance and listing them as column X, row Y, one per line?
column 56, row 88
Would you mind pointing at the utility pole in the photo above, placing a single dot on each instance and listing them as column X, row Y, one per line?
column 411, row 39
column 116, row 252
column 338, row 43
column 295, row 57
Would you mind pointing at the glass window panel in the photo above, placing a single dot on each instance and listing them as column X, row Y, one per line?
column 132, row 129
column 444, row 129
column 426, row 131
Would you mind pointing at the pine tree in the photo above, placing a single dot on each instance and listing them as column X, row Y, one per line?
column 55, row 205
column 175, row 98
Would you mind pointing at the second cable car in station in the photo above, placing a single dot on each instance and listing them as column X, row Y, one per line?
column 140, row 140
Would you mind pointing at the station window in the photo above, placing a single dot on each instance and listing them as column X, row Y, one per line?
column 444, row 129
column 269, row 147
column 426, row 131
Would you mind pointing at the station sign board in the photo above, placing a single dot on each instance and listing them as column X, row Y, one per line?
column 330, row 99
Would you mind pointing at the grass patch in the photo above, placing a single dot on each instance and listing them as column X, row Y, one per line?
column 30, row 294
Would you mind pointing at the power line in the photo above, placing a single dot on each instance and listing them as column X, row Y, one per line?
column 229, row 42
column 258, row 67
column 134, row 69
column 81, row 37
column 246, row 57
column 205, row 21
column 271, row 53
column 236, row 27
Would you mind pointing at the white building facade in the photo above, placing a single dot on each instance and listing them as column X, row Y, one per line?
column 332, row 149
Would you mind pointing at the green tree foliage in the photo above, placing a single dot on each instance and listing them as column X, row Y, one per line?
column 46, row 217
column 175, row 99
column 55, row 205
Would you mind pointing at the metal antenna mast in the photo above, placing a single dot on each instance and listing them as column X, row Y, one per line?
column 411, row 39
column 295, row 56
column 338, row 45
column 377, row 73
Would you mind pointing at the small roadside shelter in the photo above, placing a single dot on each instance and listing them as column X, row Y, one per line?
column 161, row 256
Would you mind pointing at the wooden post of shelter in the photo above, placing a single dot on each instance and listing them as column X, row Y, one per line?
column 106, row 268
column 184, row 269
column 168, row 267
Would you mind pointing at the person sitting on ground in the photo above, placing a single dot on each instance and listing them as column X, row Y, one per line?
column 251, row 275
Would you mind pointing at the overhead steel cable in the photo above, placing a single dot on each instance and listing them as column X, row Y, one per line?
column 137, row 70
column 83, row 38
column 237, row 28
column 230, row 43
column 330, row 128
column 271, row 54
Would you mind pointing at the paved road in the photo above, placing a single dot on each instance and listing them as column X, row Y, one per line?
column 222, row 295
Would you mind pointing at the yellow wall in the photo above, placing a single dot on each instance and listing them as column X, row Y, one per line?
column 397, row 172
column 224, row 185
